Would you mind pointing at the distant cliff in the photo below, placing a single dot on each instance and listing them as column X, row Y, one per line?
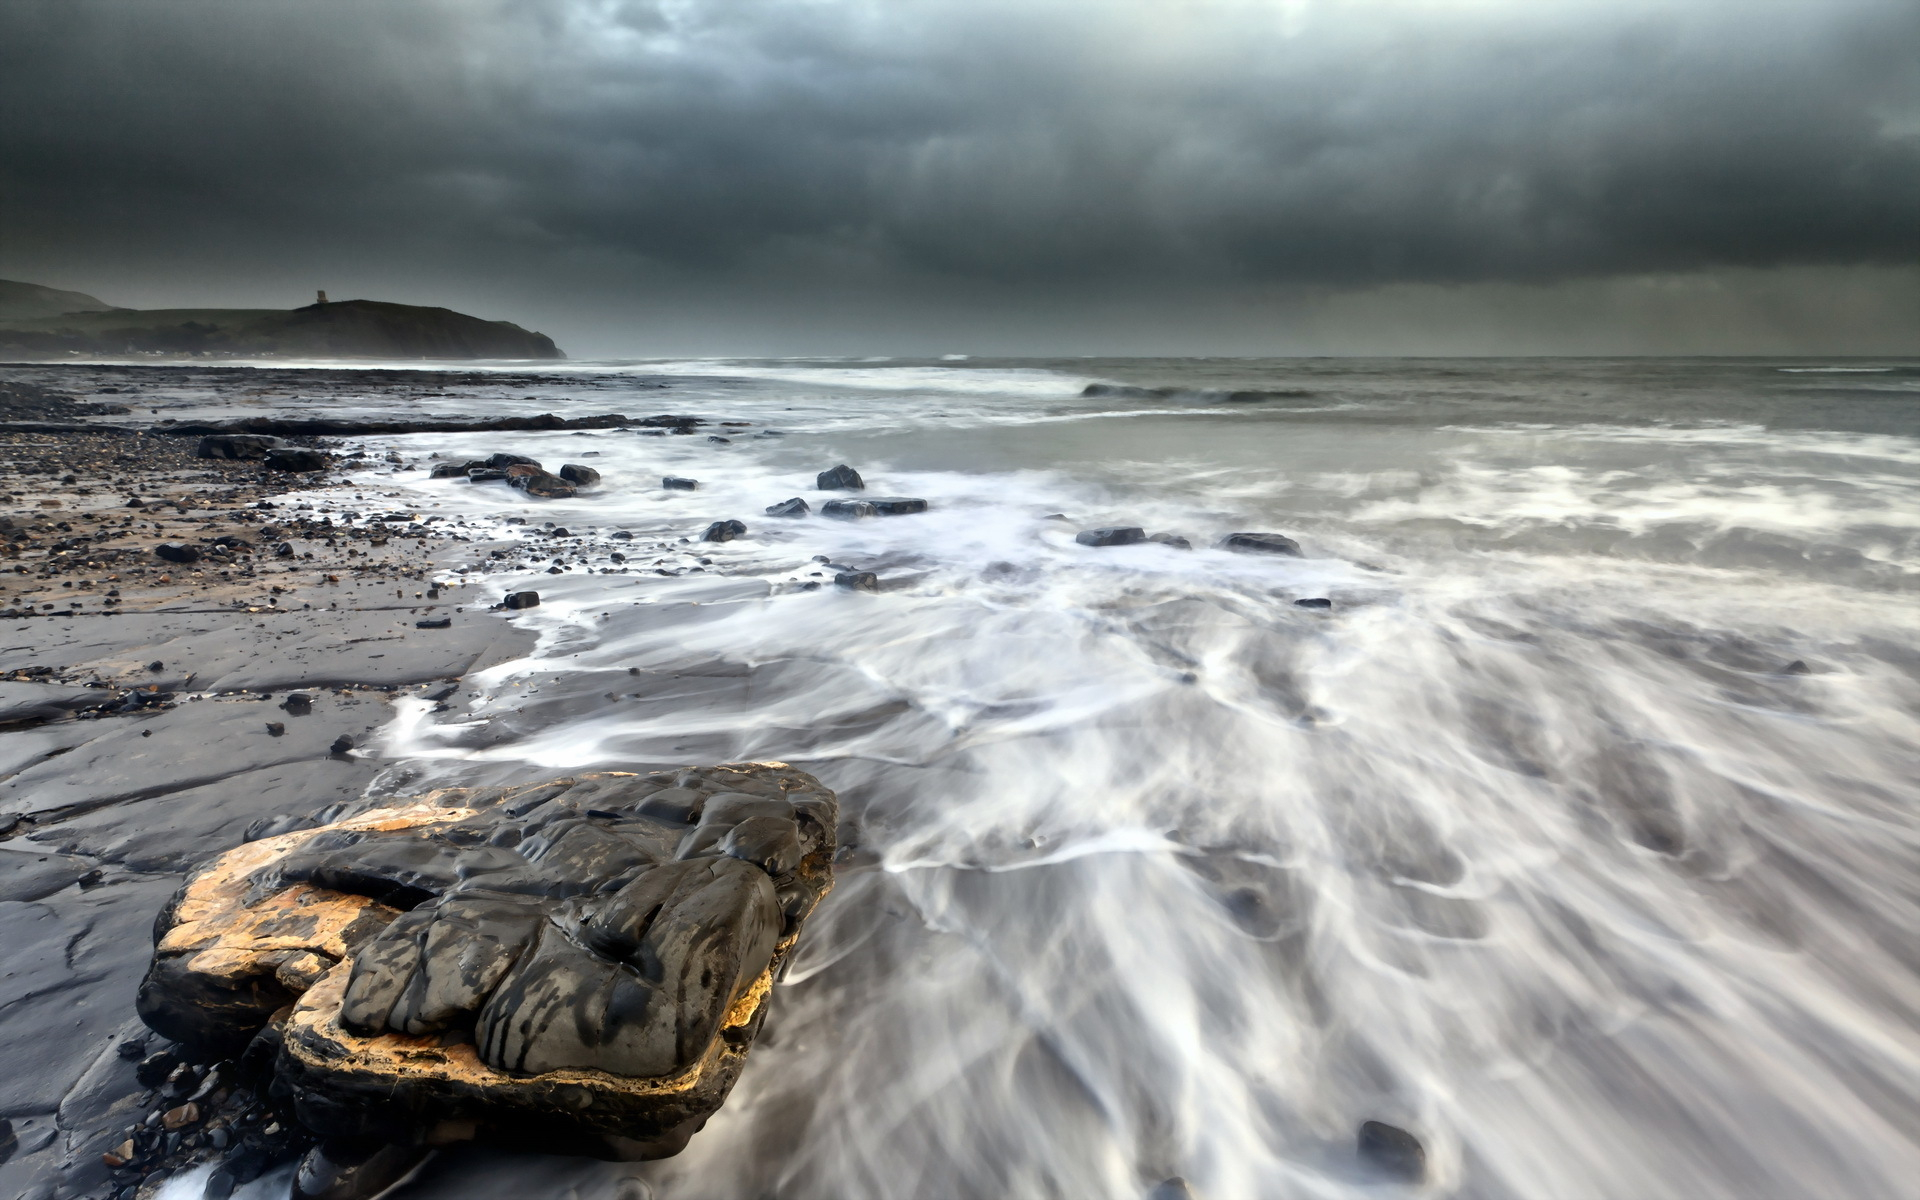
column 347, row 329
column 28, row 301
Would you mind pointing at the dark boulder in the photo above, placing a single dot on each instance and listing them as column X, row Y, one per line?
column 1260, row 543
column 578, row 475
column 724, row 531
column 178, row 552
column 675, row 483
column 1392, row 1151
column 857, row 581
column 297, row 458
column 1313, row 602
column 519, row 600
column 1118, row 535
column 842, row 478
column 449, row 470
column 795, row 507
column 576, row 966
column 236, row 445
column 434, row 623
column 486, row 474
column 503, row 461
column 1172, row 541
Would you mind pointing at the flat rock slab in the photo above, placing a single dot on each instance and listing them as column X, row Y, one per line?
column 35, row 701
column 1122, row 535
column 576, row 966
column 189, row 746
column 874, row 506
column 1260, row 543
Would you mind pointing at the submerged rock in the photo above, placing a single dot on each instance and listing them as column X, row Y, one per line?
column 842, row 478
column 578, row 966
column 458, row 470
column 578, row 475
column 1119, row 535
column 1260, row 543
column 857, row 581
column 724, row 531
column 877, row 506
column 1313, row 602
column 1393, row 1151
column 1172, row 540
column 675, row 483
column 795, row 507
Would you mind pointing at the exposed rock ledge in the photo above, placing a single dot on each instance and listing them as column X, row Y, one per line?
column 576, row 966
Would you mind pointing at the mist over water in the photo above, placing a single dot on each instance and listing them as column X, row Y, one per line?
column 1580, row 837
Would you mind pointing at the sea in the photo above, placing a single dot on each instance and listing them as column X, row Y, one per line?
column 1574, row 828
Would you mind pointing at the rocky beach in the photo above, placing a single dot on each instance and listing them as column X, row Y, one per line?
column 1162, row 779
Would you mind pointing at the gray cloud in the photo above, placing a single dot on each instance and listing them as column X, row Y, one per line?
column 918, row 146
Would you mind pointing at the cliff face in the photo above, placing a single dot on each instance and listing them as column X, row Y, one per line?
column 348, row 329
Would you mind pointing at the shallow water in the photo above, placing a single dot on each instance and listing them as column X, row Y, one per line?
column 1538, row 843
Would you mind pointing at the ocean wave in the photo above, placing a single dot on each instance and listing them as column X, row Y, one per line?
column 1127, row 391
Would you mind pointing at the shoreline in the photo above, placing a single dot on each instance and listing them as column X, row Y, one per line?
column 151, row 712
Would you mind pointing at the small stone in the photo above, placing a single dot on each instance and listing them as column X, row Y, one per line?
column 717, row 440
column 283, row 550
column 434, row 623
column 156, row 666
column 133, row 1049
column 181, row 1117
column 675, row 483
column 842, row 478
column 220, row 1138
column 623, row 535
column 724, row 531
column 177, row 552
column 1260, row 543
column 578, row 475
column 519, row 600
column 154, row 1069
column 297, row 704
column 122, row 1154
column 795, row 507
column 1118, row 535
column 276, row 729
column 341, row 744
column 1392, row 1150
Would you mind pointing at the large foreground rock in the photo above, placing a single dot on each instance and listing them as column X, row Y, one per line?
column 576, row 966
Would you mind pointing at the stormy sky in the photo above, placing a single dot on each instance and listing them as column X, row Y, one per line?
column 990, row 176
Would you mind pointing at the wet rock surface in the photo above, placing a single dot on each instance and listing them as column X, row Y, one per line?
column 579, row 964
column 1260, row 543
column 874, row 506
column 842, row 478
column 1123, row 535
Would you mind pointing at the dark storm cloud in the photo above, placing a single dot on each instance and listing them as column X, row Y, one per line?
column 1287, row 142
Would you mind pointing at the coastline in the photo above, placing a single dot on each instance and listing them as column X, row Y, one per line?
column 151, row 712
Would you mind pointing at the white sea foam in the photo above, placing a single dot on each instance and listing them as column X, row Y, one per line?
column 1532, row 844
